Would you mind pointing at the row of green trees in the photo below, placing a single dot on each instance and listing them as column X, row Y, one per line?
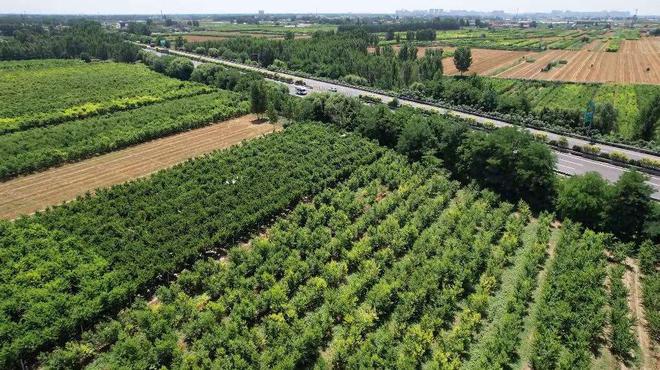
column 571, row 316
column 353, row 261
column 622, row 339
column 177, row 67
column 498, row 345
column 66, row 267
column 651, row 296
column 42, row 147
column 343, row 55
column 622, row 208
column 508, row 160
column 444, row 23
column 80, row 39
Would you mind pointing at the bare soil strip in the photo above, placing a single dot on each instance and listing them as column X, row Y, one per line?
column 28, row 194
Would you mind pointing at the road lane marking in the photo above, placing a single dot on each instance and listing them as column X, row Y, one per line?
column 571, row 162
column 570, row 168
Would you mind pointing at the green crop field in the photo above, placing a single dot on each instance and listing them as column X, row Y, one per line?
column 389, row 265
column 64, row 268
column 626, row 99
column 38, row 148
column 267, row 28
column 535, row 39
column 354, row 276
column 173, row 210
column 518, row 39
column 42, row 92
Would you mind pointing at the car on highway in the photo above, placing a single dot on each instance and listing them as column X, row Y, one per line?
column 332, row 89
column 301, row 90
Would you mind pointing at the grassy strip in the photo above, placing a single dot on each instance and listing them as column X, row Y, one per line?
column 497, row 346
column 571, row 317
column 622, row 340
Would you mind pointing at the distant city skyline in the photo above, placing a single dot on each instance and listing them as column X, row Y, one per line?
column 646, row 7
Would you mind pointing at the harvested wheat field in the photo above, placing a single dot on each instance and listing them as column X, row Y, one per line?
column 638, row 61
column 28, row 194
column 488, row 62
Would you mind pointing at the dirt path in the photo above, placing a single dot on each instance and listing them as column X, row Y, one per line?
column 28, row 194
column 632, row 280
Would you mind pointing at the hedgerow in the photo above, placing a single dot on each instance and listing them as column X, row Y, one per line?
column 571, row 314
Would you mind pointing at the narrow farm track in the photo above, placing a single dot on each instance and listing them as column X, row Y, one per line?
column 28, row 194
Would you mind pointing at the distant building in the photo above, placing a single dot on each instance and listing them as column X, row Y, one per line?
column 262, row 13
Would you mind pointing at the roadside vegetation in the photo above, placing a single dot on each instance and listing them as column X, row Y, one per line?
column 554, row 105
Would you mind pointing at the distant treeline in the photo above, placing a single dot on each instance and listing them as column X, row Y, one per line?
column 435, row 24
column 79, row 39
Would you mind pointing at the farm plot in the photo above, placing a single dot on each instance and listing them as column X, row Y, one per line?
column 487, row 62
column 39, row 148
column 628, row 100
column 65, row 267
column 638, row 61
column 82, row 89
column 266, row 28
column 32, row 193
column 509, row 39
column 368, row 274
column 573, row 291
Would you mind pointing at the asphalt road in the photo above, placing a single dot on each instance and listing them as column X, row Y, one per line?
column 567, row 164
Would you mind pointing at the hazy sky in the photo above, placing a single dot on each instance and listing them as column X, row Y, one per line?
column 304, row 6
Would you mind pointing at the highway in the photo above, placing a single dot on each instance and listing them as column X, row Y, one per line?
column 567, row 164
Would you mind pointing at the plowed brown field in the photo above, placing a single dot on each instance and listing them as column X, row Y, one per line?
column 28, row 194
